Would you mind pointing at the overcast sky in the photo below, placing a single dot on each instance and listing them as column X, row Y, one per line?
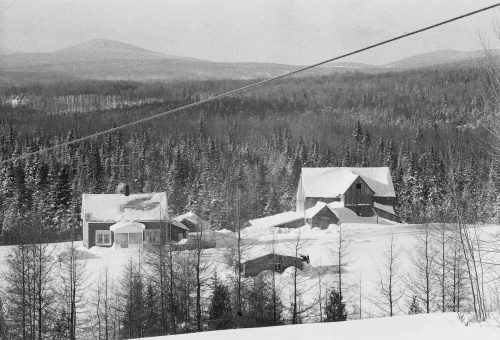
column 282, row 31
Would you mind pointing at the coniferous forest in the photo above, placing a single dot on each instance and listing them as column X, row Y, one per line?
column 232, row 160
column 429, row 126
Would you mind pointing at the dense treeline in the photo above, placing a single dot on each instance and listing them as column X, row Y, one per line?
column 232, row 160
column 424, row 125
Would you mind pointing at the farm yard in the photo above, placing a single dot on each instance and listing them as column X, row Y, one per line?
column 364, row 265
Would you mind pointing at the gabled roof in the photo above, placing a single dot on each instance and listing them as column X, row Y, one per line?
column 179, row 225
column 278, row 219
column 334, row 181
column 191, row 220
column 118, row 207
column 291, row 254
column 343, row 214
column 127, row 227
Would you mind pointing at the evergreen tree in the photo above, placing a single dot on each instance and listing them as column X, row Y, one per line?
column 273, row 203
column 260, row 309
column 358, row 132
column 335, row 308
column 414, row 306
column 220, row 311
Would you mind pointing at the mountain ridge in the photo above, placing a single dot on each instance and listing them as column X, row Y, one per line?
column 110, row 59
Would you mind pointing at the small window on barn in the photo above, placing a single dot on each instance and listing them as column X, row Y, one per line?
column 103, row 237
column 277, row 267
column 358, row 186
column 152, row 236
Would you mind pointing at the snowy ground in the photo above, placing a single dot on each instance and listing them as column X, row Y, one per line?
column 364, row 257
column 445, row 326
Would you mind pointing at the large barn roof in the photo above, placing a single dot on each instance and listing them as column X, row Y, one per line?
column 334, row 181
column 118, row 207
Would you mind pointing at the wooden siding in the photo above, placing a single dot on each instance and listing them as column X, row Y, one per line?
column 362, row 210
column 93, row 227
column 391, row 201
column 386, row 215
column 173, row 232
column 292, row 224
column 267, row 262
column 355, row 196
column 323, row 219
column 89, row 229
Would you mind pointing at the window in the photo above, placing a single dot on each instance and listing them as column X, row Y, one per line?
column 358, row 186
column 277, row 264
column 103, row 237
column 152, row 236
column 135, row 238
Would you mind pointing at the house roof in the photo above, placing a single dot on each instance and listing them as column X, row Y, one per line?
column 334, row 181
column 179, row 225
column 118, row 207
column 192, row 219
column 291, row 254
column 278, row 219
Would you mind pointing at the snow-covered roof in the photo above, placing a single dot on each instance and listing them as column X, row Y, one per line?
column 127, row 227
column 179, row 225
column 343, row 214
column 383, row 207
column 118, row 207
column 275, row 220
column 334, row 181
column 282, row 252
column 193, row 219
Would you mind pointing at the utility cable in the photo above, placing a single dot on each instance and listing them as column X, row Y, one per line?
column 225, row 94
column 6, row 8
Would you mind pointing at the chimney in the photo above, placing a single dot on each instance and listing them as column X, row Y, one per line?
column 127, row 190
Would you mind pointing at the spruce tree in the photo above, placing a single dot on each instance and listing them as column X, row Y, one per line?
column 220, row 311
column 335, row 308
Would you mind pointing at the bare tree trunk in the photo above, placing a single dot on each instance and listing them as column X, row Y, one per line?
column 239, row 254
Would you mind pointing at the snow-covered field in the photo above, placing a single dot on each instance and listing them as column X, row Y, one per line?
column 366, row 242
column 446, row 326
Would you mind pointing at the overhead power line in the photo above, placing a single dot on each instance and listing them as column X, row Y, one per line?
column 6, row 8
column 225, row 94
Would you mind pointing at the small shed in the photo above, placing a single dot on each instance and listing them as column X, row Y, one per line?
column 176, row 231
column 321, row 216
column 192, row 221
column 272, row 261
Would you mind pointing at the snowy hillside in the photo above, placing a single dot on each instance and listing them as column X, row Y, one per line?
column 445, row 326
column 364, row 260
